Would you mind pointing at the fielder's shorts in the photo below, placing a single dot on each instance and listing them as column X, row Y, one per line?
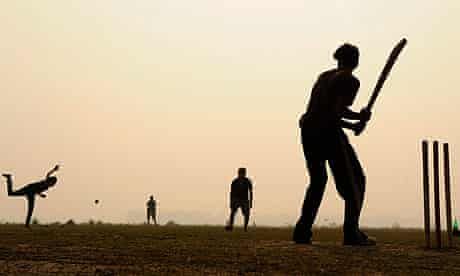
column 243, row 204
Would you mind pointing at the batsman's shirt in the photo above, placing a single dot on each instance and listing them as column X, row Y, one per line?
column 329, row 88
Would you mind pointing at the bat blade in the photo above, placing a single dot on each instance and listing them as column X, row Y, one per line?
column 386, row 71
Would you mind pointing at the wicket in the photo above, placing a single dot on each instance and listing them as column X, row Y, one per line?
column 426, row 192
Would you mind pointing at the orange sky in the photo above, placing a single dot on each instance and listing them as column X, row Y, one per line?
column 170, row 97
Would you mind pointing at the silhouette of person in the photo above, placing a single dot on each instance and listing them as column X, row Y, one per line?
column 240, row 197
column 323, row 139
column 152, row 210
column 31, row 190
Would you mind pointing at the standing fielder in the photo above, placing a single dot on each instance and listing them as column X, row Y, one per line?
column 31, row 190
column 323, row 139
column 241, row 196
column 152, row 210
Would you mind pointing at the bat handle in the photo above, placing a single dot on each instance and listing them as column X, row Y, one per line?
column 366, row 110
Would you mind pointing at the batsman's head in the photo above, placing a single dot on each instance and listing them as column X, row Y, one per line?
column 241, row 172
column 347, row 56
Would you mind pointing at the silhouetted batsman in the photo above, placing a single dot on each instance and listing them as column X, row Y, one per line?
column 152, row 210
column 240, row 197
column 31, row 190
column 323, row 139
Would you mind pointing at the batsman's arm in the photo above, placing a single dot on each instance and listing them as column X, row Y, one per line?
column 347, row 125
column 343, row 109
column 350, row 114
column 357, row 128
column 364, row 115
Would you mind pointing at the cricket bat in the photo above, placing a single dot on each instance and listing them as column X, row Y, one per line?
column 386, row 71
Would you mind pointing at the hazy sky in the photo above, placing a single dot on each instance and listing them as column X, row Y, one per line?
column 169, row 97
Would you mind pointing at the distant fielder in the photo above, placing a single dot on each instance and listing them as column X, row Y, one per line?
column 31, row 190
column 240, row 197
column 152, row 210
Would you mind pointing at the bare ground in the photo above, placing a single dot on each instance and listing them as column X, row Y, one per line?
column 191, row 250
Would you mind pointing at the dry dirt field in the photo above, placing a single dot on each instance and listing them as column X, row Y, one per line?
column 192, row 250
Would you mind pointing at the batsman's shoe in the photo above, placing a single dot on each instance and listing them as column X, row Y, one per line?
column 302, row 240
column 358, row 239
column 301, row 235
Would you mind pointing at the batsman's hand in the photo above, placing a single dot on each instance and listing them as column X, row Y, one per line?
column 365, row 114
column 359, row 127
